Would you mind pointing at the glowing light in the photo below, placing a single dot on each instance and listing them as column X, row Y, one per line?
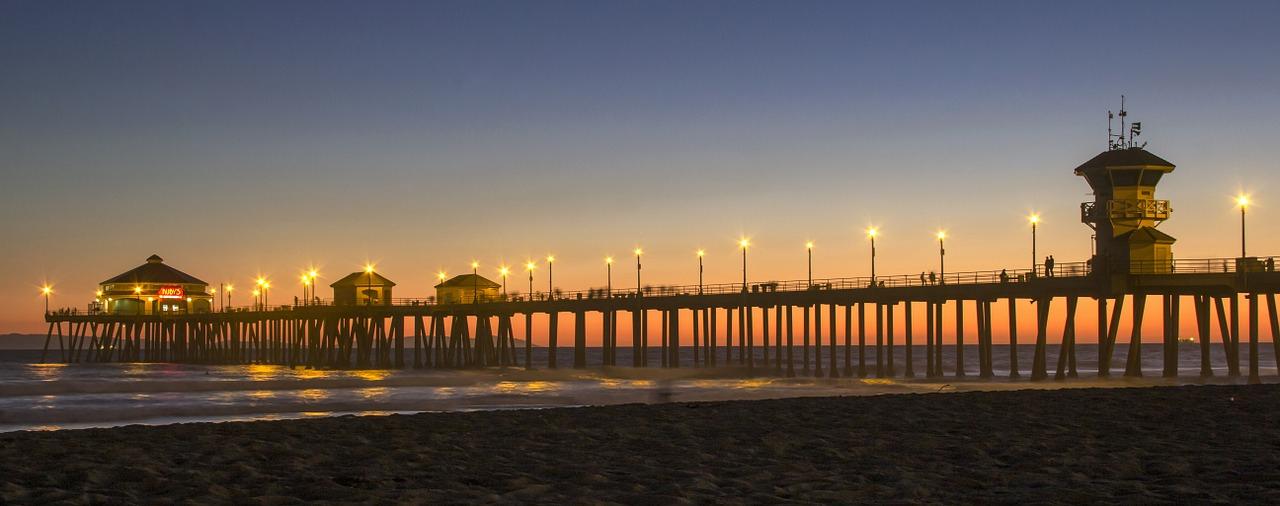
column 1242, row 200
column 46, row 290
column 230, row 288
column 551, row 258
column 368, row 268
column 608, row 260
column 137, row 289
column 701, row 253
column 442, row 275
column 98, row 293
column 808, row 245
column 313, row 273
column 256, row 293
column 529, row 265
column 872, row 232
column 1034, row 219
column 942, row 234
column 504, row 271
column 260, row 281
column 475, row 264
column 639, row 252
column 744, row 243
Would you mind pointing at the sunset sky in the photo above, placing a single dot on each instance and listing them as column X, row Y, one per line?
column 237, row 139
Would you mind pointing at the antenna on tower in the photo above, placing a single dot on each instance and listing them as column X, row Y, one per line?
column 1111, row 144
column 1123, row 114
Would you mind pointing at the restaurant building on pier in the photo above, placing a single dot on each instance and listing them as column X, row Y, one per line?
column 154, row 288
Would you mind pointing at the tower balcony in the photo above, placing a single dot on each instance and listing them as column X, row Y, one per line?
column 1126, row 209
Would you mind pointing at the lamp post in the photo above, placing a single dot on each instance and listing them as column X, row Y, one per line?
column 314, row 276
column 1035, row 220
column 701, row 254
column 872, row 232
column 744, row 243
column 504, row 271
column 608, row 286
column 46, row 291
column 475, row 281
column 1243, row 202
column 368, row 288
column 638, row 252
column 529, row 266
column 266, row 293
column 551, row 259
column 942, row 258
column 257, row 299
column 440, row 275
column 808, row 247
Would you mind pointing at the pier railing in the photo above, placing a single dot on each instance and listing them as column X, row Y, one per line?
column 922, row 279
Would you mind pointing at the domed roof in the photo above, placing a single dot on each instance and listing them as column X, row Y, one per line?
column 1128, row 157
column 155, row 271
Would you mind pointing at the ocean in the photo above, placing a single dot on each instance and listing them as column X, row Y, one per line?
column 36, row 396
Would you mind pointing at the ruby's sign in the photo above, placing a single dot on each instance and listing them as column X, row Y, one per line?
column 171, row 292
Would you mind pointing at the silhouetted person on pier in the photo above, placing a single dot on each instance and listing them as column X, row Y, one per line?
column 1048, row 266
column 1271, row 264
column 1004, row 275
column 922, row 277
column 933, row 278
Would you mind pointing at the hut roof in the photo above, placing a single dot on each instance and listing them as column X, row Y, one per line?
column 1128, row 157
column 468, row 281
column 155, row 271
column 1148, row 235
column 362, row 278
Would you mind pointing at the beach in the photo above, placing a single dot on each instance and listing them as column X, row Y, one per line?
column 1153, row 444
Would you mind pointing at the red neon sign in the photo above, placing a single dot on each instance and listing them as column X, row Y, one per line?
column 171, row 292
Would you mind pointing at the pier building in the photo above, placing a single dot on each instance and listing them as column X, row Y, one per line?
column 154, row 288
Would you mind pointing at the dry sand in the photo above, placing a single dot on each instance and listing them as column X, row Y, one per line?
column 1162, row 444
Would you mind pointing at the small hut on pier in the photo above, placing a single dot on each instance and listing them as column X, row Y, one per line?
column 363, row 288
column 467, row 289
column 154, row 288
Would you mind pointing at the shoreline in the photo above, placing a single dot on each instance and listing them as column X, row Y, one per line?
column 1180, row 443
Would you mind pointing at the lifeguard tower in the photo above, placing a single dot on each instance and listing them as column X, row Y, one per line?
column 1125, row 212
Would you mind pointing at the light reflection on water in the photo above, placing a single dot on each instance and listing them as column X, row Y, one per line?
column 58, row 396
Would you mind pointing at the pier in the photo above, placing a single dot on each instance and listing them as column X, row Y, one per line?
column 842, row 327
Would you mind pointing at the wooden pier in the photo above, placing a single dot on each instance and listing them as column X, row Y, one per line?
column 752, row 326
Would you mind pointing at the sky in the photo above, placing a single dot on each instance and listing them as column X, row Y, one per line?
column 243, row 138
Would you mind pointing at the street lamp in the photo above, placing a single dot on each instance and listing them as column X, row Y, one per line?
column 701, row 254
column 441, row 275
column 872, row 232
column 368, row 289
column 504, row 271
column 744, row 243
column 808, row 246
column 46, row 291
column 638, row 252
column 1242, row 200
column 529, row 266
column 475, row 281
column 942, row 257
column 608, row 267
column 1035, row 220
column 551, row 259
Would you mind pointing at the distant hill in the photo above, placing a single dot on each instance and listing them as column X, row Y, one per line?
column 23, row 341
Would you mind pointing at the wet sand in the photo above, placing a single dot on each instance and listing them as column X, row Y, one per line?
column 1158, row 444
